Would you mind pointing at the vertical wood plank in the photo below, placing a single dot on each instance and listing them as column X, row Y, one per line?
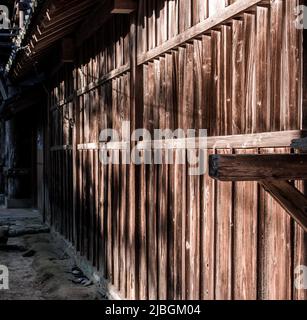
column 224, row 239
column 249, row 52
column 238, row 114
column 276, row 49
column 275, row 230
column 245, row 239
column 208, row 237
column 262, row 114
column 162, row 221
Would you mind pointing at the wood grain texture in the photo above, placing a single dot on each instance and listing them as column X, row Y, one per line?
column 250, row 167
column 234, row 68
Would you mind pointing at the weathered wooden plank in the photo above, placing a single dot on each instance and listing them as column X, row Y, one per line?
column 185, row 15
column 162, row 185
column 215, row 114
column 291, row 69
column 245, row 238
column 170, row 95
column 150, row 122
column 97, row 125
column 173, row 19
column 133, row 89
column 207, row 239
column 248, row 141
column 142, row 27
column 276, row 45
column 103, row 190
column 199, row 11
column 91, row 134
column 162, row 21
column 191, row 98
column 199, row 123
column 80, row 174
column 249, row 79
column 123, row 116
column 250, row 167
column 262, row 113
column 143, row 236
column 225, row 121
column 238, row 114
column 116, row 185
column 110, row 252
column 207, row 81
column 224, row 239
column 181, row 120
column 151, row 23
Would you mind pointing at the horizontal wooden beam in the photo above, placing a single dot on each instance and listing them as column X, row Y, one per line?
column 107, row 77
column 124, row 6
column 249, row 141
column 278, row 139
column 253, row 167
column 290, row 198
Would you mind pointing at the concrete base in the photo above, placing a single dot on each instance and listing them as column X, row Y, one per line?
column 17, row 203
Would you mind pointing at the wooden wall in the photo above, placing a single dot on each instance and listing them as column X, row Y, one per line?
column 154, row 232
column 160, row 20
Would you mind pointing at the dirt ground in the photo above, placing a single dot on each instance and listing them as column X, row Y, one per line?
column 38, row 268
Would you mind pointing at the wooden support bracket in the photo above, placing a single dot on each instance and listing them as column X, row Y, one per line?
column 272, row 172
column 290, row 198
